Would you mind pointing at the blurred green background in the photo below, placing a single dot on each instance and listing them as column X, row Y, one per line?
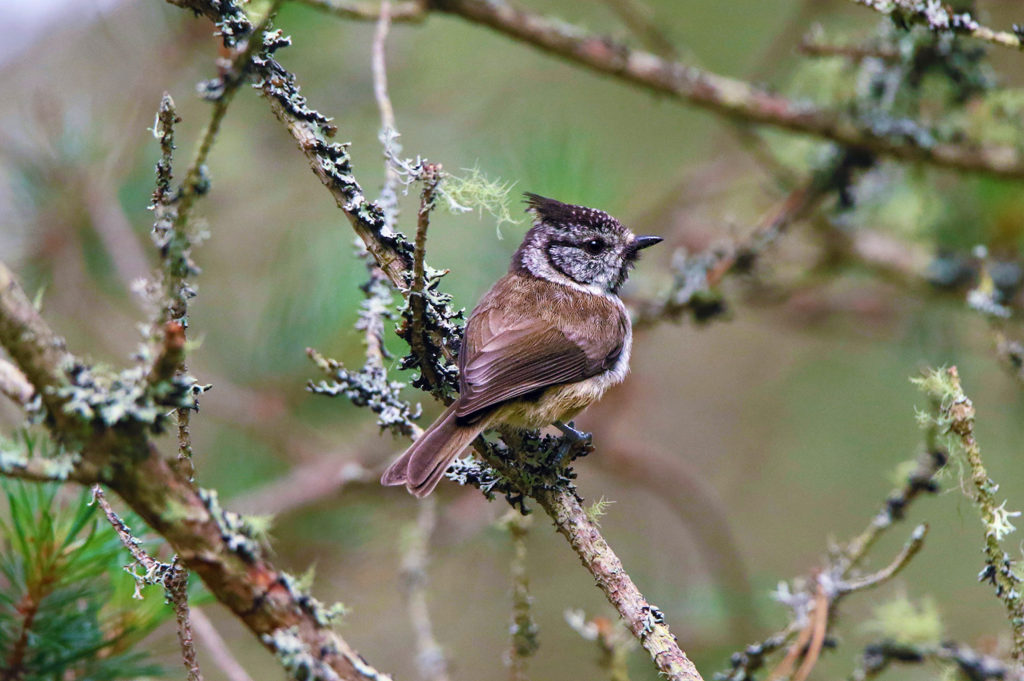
column 785, row 422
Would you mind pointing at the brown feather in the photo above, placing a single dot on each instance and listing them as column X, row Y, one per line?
column 423, row 465
column 552, row 335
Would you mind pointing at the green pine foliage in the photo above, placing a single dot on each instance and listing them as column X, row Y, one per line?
column 66, row 607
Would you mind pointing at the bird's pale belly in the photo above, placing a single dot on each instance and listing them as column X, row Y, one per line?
column 564, row 402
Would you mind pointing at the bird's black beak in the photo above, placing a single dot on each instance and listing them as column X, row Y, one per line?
column 640, row 243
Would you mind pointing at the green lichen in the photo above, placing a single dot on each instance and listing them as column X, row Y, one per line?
column 239, row 535
column 475, row 191
column 298, row 587
column 904, row 622
column 107, row 399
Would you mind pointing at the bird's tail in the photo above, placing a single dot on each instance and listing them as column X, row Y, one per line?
column 421, row 467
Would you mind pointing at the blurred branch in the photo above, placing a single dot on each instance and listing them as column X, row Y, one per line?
column 956, row 411
column 14, row 385
column 973, row 665
column 414, row 11
column 388, row 200
column 523, row 630
column 613, row 643
column 39, row 353
column 304, row 485
column 940, row 18
column 639, row 19
column 813, row 600
column 813, row 45
column 733, row 98
column 695, row 277
column 430, row 657
column 216, row 648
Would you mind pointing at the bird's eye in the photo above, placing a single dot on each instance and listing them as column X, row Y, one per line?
column 594, row 246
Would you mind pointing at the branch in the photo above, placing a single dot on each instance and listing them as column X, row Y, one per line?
column 957, row 412
column 14, row 385
column 523, row 631
column 172, row 576
column 972, row 664
column 696, row 276
column 217, row 649
column 429, row 657
column 814, row 602
column 216, row 544
column 365, row 11
column 939, row 18
column 40, row 354
column 734, row 99
column 393, row 253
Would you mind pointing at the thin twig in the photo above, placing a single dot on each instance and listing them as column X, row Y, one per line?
column 939, row 18
column 217, row 648
column 970, row 663
column 417, row 337
column 14, row 385
column 696, row 276
column 639, row 19
column 173, row 577
column 430, row 658
column 388, row 200
column 909, row 550
column 813, row 46
column 414, row 11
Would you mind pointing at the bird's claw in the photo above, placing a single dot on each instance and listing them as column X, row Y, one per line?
column 573, row 438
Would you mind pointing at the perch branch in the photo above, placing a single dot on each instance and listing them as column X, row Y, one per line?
column 393, row 253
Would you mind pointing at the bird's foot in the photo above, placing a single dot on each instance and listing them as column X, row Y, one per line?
column 573, row 439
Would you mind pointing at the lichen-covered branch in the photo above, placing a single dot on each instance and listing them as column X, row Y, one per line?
column 940, row 18
column 215, row 544
column 956, row 413
column 899, row 139
column 171, row 576
column 642, row 618
column 39, row 353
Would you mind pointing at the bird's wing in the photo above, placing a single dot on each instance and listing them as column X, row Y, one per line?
column 507, row 355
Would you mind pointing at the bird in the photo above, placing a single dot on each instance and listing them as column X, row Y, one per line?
column 547, row 340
